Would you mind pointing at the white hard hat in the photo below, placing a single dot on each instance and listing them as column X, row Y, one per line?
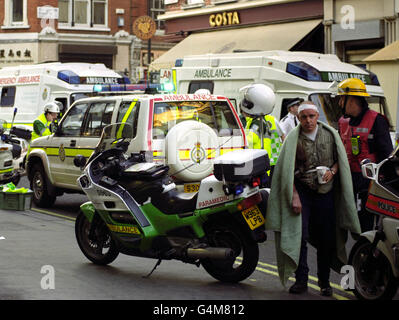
column 259, row 99
column 51, row 107
column 202, row 91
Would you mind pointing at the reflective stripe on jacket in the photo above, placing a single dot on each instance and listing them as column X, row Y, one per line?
column 271, row 140
column 42, row 118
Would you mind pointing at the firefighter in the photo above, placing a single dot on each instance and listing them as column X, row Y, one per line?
column 365, row 134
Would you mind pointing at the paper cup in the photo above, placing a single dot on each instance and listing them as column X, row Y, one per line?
column 320, row 173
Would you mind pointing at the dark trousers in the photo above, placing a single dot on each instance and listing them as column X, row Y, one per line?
column 318, row 225
column 360, row 190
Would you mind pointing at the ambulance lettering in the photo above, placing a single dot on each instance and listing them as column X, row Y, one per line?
column 208, row 203
column 213, row 73
column 339, row 76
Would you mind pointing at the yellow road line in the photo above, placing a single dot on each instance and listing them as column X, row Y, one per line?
column 311, row 285
column 53, row 214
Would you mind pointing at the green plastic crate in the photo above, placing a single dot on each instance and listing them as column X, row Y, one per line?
column 15, row 200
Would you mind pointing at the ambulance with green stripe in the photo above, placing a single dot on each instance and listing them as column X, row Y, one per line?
column 184, row 131
column 30, row 87
column 290, row 74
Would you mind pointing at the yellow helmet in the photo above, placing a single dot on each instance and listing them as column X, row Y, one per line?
column 352, row 87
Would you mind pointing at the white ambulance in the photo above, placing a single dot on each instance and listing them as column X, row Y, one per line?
column 306, row 75
column 29, row 87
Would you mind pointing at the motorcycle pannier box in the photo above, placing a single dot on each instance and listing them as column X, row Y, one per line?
column 241, row 165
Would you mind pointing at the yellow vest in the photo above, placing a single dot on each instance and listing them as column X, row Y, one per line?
column 42, row 118
column 271, row 143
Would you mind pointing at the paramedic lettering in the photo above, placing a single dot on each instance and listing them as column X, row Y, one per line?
column 213, row 73
column 22, row 79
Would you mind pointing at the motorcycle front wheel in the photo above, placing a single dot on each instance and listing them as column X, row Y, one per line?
column 374, row 279
column 245, row 258
column 95, row 241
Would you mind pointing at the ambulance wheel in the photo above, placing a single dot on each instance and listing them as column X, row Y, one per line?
column 373, row 278
column 190, row 147
column 246, row 252
column 38, row 184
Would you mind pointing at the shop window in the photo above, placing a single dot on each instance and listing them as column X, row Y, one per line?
column 7, row 96
column 82, row 13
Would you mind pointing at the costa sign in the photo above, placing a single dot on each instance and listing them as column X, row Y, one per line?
column 224, row 19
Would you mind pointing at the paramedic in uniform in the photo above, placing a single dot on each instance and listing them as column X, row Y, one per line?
column 290, row 121
column 41, row 125
column 261, row 97
column 365, row 134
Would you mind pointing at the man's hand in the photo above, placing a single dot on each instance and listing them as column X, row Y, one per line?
column 296, row 202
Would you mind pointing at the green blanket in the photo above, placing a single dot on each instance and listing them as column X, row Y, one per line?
column 288, row 225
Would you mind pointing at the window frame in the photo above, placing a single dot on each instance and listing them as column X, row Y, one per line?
column 13, row 97
column 71, row 19
column 8, row 22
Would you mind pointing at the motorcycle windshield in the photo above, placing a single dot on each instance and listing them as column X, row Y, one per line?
column 112, row 136
column 3, row 126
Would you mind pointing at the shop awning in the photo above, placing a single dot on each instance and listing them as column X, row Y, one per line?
column 388, row 53
column 281, row 36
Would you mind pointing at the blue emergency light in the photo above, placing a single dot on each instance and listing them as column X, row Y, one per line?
column 303, row 70
column 124, row 87
column 68, row 76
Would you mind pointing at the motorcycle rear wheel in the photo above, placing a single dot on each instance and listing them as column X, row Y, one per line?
column 374, row 279
column 97, row 245
column 246, row 253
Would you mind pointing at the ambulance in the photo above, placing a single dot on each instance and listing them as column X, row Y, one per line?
column 29, row 87
column 307, row 75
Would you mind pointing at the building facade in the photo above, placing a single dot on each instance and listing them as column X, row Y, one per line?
column 355, row 29
column 224, row 26
column 96, row 31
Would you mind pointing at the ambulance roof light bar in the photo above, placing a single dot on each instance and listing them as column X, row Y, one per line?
column 125, row 87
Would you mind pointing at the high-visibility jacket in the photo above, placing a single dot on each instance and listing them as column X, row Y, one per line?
column 355, row 139
column 42, row 118
column 271, row 140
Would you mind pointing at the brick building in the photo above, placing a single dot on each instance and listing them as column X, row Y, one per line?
column 96, row 31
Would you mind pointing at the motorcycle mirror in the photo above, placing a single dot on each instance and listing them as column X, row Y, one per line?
column 369, row 170
column 79, row 161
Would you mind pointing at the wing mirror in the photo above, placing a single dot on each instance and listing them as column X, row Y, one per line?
column 79, row 161
column 368, row 169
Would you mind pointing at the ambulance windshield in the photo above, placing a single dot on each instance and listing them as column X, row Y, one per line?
column 216, row 114
column 330, row 111
column 79, row 95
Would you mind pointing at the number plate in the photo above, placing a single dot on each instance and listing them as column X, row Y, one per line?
column 253, row 217
column 191, row 187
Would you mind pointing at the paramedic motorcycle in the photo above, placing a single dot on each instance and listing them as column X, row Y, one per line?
column 135, row 209
column 375, row 256
column 12, row 151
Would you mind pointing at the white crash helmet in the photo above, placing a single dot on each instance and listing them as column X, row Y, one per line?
column 259, row 99
column 52, row 107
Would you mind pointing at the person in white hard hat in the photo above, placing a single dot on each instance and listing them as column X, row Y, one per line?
column 258, row 103
column 41, row 125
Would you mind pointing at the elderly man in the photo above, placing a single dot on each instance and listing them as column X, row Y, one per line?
column 306, row 208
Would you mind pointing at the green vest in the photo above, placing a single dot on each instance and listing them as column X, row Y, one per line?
column 42, row 118
column 271, row 140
